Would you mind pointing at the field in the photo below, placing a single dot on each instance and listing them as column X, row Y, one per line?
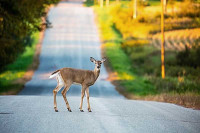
column 177, row 39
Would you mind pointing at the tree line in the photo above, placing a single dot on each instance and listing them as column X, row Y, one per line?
column 18, row 20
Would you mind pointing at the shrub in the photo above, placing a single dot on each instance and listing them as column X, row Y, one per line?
column 18, row 20
column 189, row 57
column 175, row 85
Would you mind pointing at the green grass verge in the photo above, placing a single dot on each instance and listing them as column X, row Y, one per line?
column 119, row 60
column 19, row 67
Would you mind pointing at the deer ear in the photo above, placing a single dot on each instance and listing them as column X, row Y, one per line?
column 103, row 59
column 92, row 59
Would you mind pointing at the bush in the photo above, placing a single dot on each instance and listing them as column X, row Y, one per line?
column 179, row 78
column 175, row 85
column 18, row 20
column 189, row 57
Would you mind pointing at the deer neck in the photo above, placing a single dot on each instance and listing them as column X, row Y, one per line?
column 96, row 73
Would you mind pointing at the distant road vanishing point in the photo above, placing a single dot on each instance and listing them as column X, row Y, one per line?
column 71, row 42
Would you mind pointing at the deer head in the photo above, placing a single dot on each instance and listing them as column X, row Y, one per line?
column 97, row 62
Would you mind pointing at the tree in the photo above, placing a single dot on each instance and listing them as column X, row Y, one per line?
column 18, row 20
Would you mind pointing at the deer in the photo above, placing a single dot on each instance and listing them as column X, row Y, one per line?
column 68, row 76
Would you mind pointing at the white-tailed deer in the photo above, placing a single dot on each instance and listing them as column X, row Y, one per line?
column 68, row 76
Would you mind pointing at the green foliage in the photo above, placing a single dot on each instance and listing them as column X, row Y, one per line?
column 18, row 68
column 175, row 85
column 18, row 20
column 154, row 2
column 189, row 57
column 89, row 3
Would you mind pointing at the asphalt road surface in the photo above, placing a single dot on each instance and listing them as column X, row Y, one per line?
column 113, row 115
column 70, row 43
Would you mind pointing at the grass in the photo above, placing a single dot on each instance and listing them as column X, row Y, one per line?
column 17, row 69
column 154, row 2
column 119, row 60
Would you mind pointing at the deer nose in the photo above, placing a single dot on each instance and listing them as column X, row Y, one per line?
column 98, row 66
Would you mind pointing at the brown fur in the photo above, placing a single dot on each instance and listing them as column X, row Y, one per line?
column 83, row 77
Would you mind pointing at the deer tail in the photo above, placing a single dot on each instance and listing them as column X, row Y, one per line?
column 54, row 74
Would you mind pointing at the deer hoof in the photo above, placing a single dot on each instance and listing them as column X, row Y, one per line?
column 81, row 110
column 55, row 109
column 89, row 110
column 69, row 110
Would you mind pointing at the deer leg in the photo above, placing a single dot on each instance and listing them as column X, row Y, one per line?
column 88, row 97
column 55, row 91
column 82, row 96
column 64, row 92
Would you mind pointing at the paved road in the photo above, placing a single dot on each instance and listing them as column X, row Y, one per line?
column 36, row 114
column 70, row 43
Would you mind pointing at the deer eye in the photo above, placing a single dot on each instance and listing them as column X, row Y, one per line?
column 100, row 63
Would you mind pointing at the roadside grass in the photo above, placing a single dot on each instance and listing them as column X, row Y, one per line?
column 18, row 68
column 118, row 59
